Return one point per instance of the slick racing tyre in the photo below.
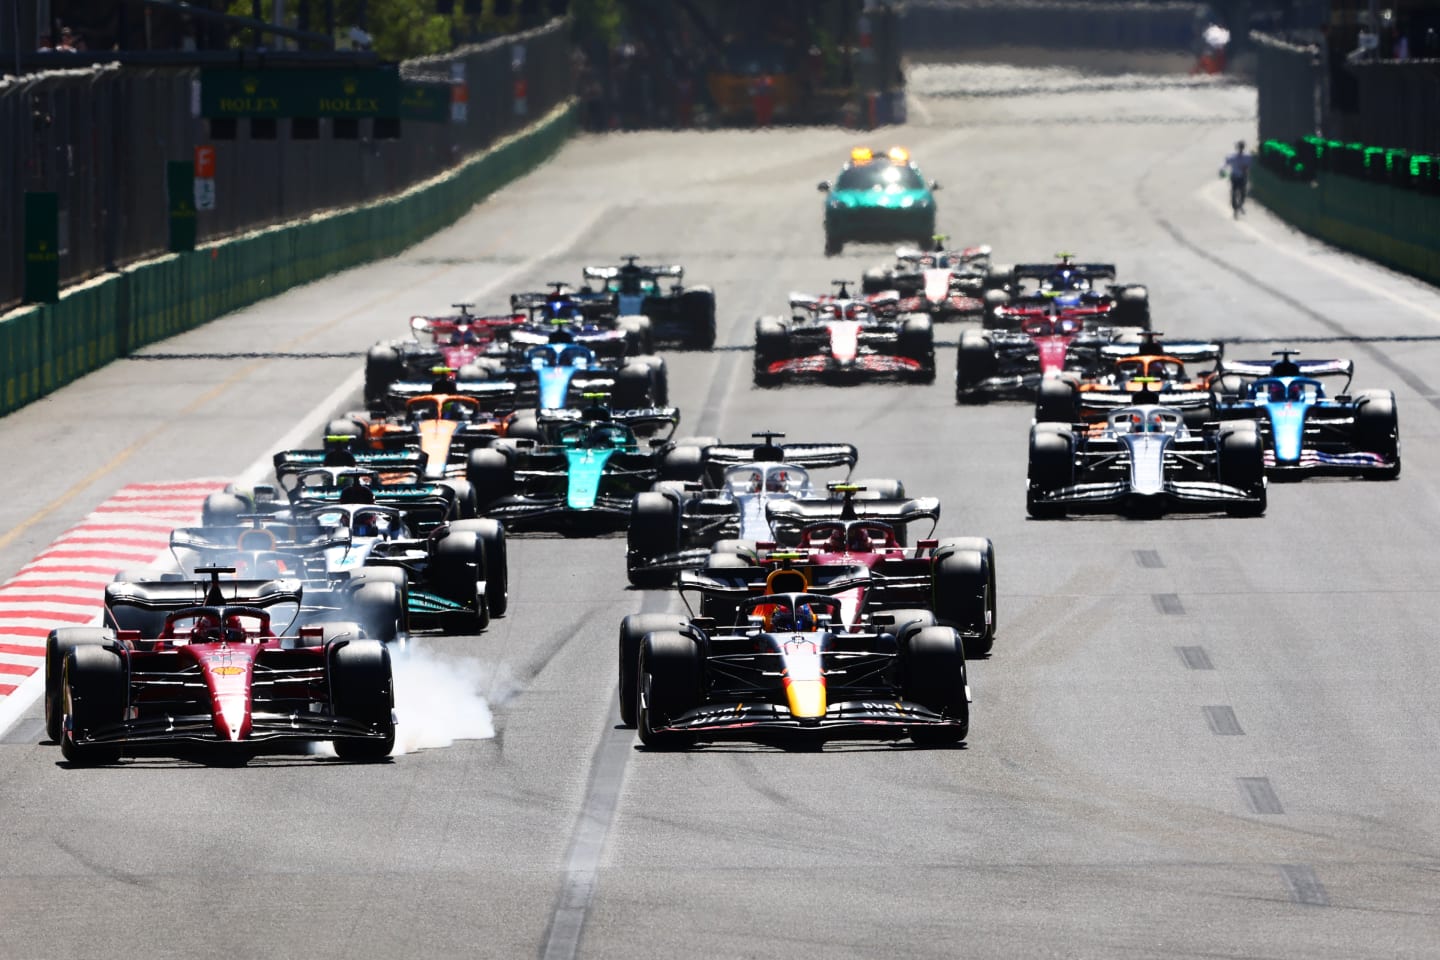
(491, 534)
(1132, 307)
(669, 677)
(772, 344)
(383, 366)
(363, 690)
(1058, 401)
(917, 342)
(457, 565)
(994, 301)
(1240, 462)
(58, 647)
(974, 364)
(635, 387)
(877, 280)
(934, 668)
(961, 590)
(491, 476)
(697, 311)
(380, 609)
(1051, 468)
(1377, 430)
(633, 630)
(94, 692)
(654, 531)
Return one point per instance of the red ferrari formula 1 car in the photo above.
(216, 679)
(1047, 345)
(844, 339)
(454, 342)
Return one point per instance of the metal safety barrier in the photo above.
(100, 138)
(46, 346)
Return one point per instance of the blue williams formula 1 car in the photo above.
(1305, 431)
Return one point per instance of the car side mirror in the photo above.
(823, 186)
(934, 184)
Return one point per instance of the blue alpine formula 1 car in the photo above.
(1305, 431)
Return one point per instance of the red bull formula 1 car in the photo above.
(784, 670)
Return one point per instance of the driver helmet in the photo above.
(561, 308)
(206, 629)
(859, 541)
(369, 525)
(777, 481)
(802, 620)
(1277, 391)
(1065, 281)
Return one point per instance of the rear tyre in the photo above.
(961, 596)
(380, 609)
(654, 531)
(634, 387)
(1241, 464)
(1052, 467)
(669, 684)
(458, 563)
(223, 509)
(772, 344)
(1377, 430)
(491, 476)
(383, 367)
(877, 280)
(974, 364)
(362, 689)
(58, 647)
(1132, 308)
(697, 307)
(994, 301)
(935, 678)
(917, 341)
(1058, 402)
(94, 693)
(632, 630)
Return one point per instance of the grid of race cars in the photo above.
(822, 606)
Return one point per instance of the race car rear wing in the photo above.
(1304, 368)
(1038, 271)
(498, 393)
(172, 594)
(808, 455)
(645, 270)
(738, 583)
(967, 255)
(291, 463)
(1188, 351)
(424, 506)
(787, 517)
(647, 423)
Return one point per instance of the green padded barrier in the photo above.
(1396, 227)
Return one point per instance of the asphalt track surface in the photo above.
(1196, 737)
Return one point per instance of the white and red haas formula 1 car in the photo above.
(844, 339)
